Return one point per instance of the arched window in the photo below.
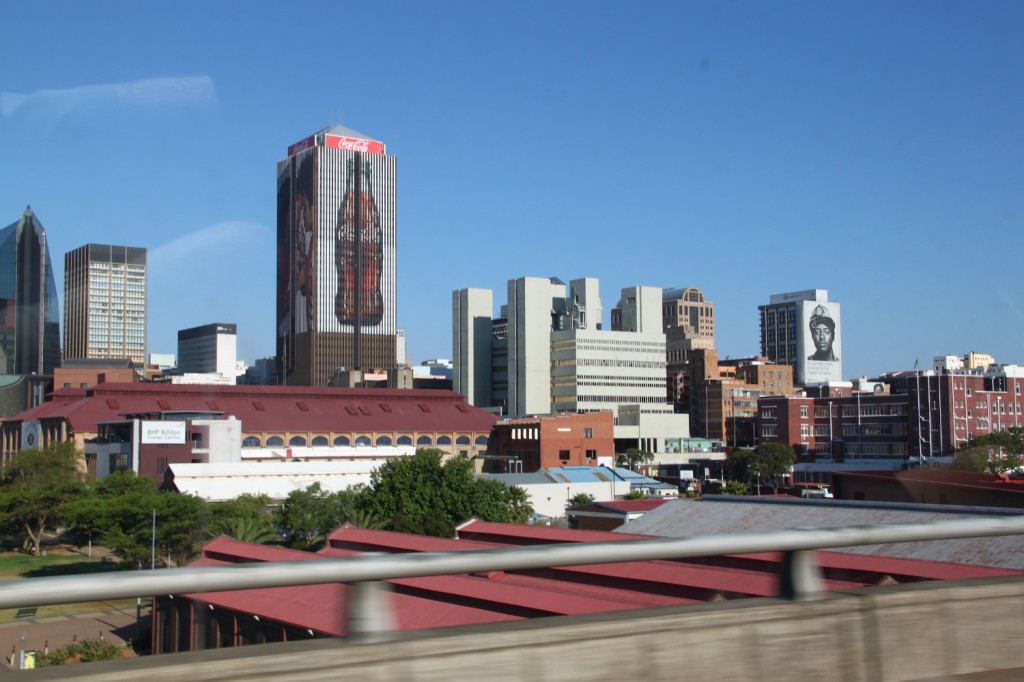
(481, 440)
(341, 440)
(363, 440)
(275, 441)
(404, 440)
(297, 440)
(424, 440)
(383, 440)
(320, 440)
(462, 440)
(251, 442)
(444, 440)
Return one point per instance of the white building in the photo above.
(105, 302)
(209, 349)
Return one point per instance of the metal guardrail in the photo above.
(800, 577)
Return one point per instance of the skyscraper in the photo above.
(336, 267)
(802, 329)
(209, 349)
(105, 302)
(29, 316)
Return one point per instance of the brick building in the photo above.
(526, 445)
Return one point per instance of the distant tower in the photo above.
(336, 258)
(29, 313)
(802, 329)
(472, 312)
(209, 349)
(105, 302)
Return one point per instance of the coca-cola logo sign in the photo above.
(302, 146)
(354, 144)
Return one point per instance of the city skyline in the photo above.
(870, 150)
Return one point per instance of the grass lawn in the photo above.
(19, 566)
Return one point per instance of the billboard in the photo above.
(356, 259)
(163, 433)
(819, 343)
(353, 144)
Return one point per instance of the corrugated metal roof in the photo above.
(273, 408)
(716, 515)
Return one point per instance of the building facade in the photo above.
(209, 349)
(472, 311)
(29, 311)
(689, 324)
(105, 291)
(803, 329)
(533, 443)
(336, 270)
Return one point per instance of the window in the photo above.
(444, 440)
(424, 440)
(362, 441)
(297, 441)
(482, 440)
(383, 440)
(462, 440)
(588, 433)
(275, 441)
(591, 454)
(118, 461)
(404, 440)
(320, 440)
(251, 442)
(563, 455)
(341, 440)
(804, 431)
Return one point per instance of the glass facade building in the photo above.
(29, 313)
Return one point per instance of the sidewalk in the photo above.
(116, 626)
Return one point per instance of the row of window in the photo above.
(300, 441)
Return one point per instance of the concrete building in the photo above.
(472, 311)
(534, 308)
(209, 349)
(105, 294)
(803, 329)
(689, 324)
(337, 269)
(29, 311)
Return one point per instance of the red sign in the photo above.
(302, 146)
(353, 144)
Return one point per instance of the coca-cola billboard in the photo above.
(354, 144)
(302, 146)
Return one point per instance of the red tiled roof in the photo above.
(272, 408)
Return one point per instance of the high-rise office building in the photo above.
(29, 313)
(802, 329)
(336, 269)
(209, 349)
(105, 302)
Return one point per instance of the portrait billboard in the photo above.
(31, 434)
(819, 343)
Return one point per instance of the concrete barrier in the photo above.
(888, 633)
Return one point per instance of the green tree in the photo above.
(307, 516)
(36, 488)
(633, 458)
(735, 488)
(120, 510)
(992, 453)
(420, 494)
(247, 510)
(580, 498)
(767, 460)
(635, 495)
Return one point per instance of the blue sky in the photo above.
(874, 149)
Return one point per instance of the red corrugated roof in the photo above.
(942, 477)
(633, 506)
(326, 409)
